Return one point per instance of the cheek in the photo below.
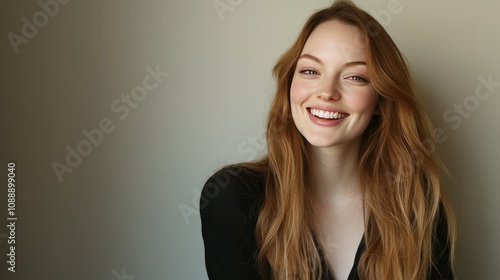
(365, 102)
(299, 92)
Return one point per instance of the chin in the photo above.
(321, 143)
(328, 142)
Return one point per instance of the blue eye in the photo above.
(358, 79)
(309, 72)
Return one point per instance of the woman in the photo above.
(349, 188)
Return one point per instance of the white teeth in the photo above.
(327, 115)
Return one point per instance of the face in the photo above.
(331, 97)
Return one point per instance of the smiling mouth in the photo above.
(327, 114)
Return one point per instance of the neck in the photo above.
(336, 172)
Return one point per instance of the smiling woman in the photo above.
(339, 195)
(332, 100)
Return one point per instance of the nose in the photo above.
(329, 91)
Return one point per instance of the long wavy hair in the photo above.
(399, 173)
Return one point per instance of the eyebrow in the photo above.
(348, 64)
(311, 57)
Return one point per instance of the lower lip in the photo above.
(324, 122)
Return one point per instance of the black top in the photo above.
(229, 208)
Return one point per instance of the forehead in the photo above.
(336, 38)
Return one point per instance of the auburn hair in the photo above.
(399, 173)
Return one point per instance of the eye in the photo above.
(357, 79)
(309, 72)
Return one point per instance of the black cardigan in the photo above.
(229, 208)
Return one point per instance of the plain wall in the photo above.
(129, 206)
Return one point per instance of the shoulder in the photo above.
(232, 189)
(238, 177)
(229, 207)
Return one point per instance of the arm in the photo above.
(228, 225)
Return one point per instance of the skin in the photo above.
(332, 75)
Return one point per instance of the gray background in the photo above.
(129, 207)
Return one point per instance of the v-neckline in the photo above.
(353, 275)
